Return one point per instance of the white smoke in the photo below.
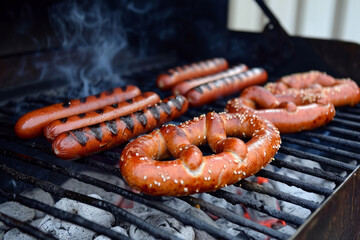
(90, 34)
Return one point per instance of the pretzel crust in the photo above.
(340, 92)
(191, 172)
(291, 112)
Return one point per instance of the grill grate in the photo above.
(54, 212)
(320, 159)
(129, 195)
(279, 195)
(323, 148)
(12, 222)
(231, 216)
(257, 205)
(295, 182)
(331, 146)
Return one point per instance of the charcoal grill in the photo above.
(336, 147)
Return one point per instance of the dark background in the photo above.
(65, 41)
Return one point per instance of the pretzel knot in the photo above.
(192, 172)
(289, 112)
(339, 92)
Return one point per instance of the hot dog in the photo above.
(288, 112)
(191, 172)
(209, 92)
(100, 115)
(166, 81)
(92, 139)
(184, 86)
(32, 124)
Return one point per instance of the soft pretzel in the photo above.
(340, 92)
(290, 112)
(192, 172)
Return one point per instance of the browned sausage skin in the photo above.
(32, 124)
(211, 91)
(340, 92)
(173, 76)
(307, 79)
(100, 115)
(288, 112)
(92, 139)
(184, 86)
(191, 172)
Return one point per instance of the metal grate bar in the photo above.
(311, 205)
(346, 123)
(184, 217)
(337, 140)
(61, 192)
(348, 116)
(349, 133)
(320, 147)
(233, 217)
(355, 110)
(69, 217)
(24, 227)
(294, 182)
(311, 171)
(316, 158)
(112, 156)
(257, 205)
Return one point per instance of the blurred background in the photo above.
(92, 40)
(30, 26)
(327, 19)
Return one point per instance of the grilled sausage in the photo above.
(32, 124)
(340, 92)
(92, 139)
(289, 113)
(166, 81)
(209, 92)
(100, 115)
(191, 172)
(184, 86)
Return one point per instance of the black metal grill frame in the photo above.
(336, 144)
(334, 153)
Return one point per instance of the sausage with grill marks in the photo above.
(100, 115)
(209, 92)
(184, 86)
(173, 76)
(32, 124)
(92, 139)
